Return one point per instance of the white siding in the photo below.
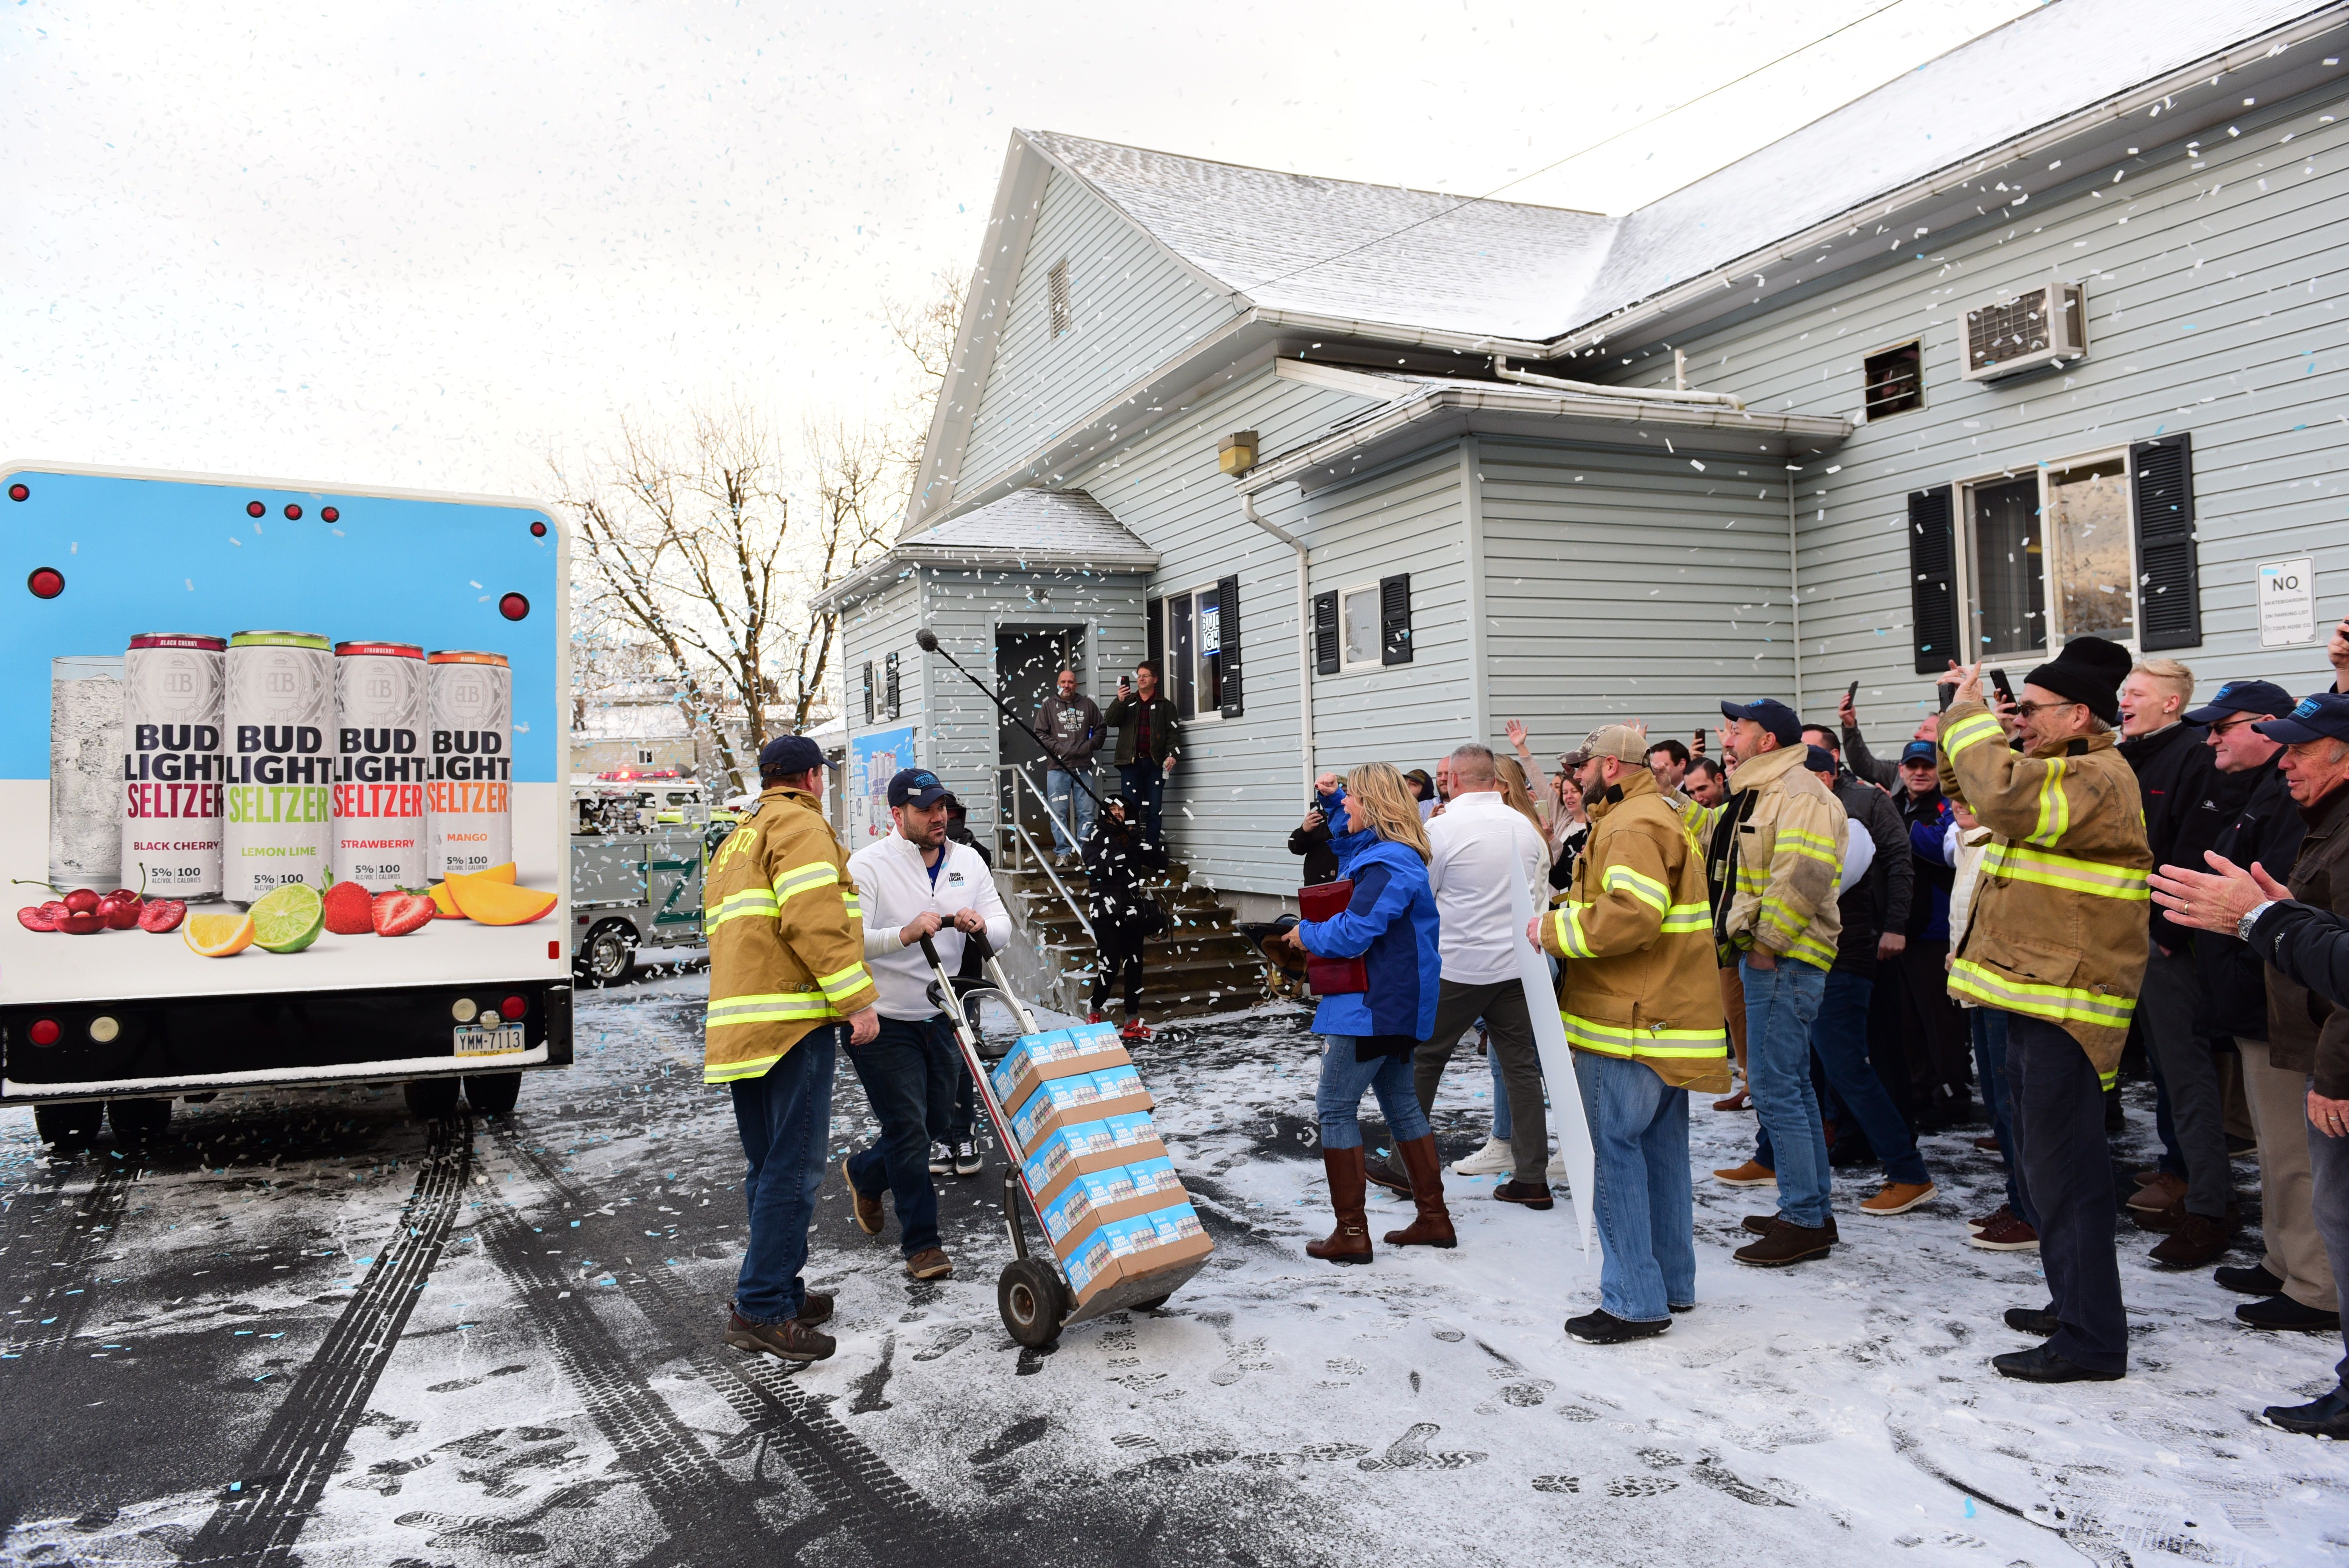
(1133, 308)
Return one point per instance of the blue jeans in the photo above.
(1990, 1066)
(1645, 1209)
(1147, 780)
(1339, 1098)
(784, 1116)
(1840, 1040)
(1780, 1004)
(1062, 788)
(1501, 1124)
(909, 1081)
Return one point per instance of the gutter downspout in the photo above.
(1795, 585)
(1642, 394)
(1304, 635)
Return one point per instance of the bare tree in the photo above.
(927, 331)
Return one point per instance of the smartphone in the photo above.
(1851, 691)
(1947, 693)
(1696, 745)
(1998, 679)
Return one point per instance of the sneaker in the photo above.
(1603, 1327)
(2285, 1315)
(1525, 1192)
(2159, 1193)
(2325, 1418)
(1133, 1030)
(1493, 1160)
(794, 1341)
(968, 1161)
(2039, 1321)
(930, 1262)
(2008, 1234)
(1786, 1242)
(2253, 1280)
(1759, 1225)
(1984, 1222)
(2043, 1366)
(866, 1209)
(941, 1159)
(1752, 1173)
(1898, 1198)
(1096, 1018)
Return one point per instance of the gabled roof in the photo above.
(1064, 528)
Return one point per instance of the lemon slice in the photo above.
(218, 935)
(289, 919)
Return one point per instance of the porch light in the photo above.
(1235, 454)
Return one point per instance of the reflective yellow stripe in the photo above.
(772, 1008)
(1646, 889)
(1683, 918)
(855, 909)
(1970, 730)
(2054, 809)
(1752, 881)
(1623, 1040)
(1811, 950)
(755, 901)
(1775, 911)
(2019, 863)
(1571, 939)
(801, 878)
(727, 1072)
(846, 982)
(2059, 1003)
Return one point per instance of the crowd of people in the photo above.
(1858, 949)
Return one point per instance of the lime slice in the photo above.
(287, 920)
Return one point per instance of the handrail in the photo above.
(1020, 773)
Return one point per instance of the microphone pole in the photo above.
(928, 641)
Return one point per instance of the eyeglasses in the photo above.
(2025, 709)
(2233, 724)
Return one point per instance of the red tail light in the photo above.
(44, 1032)
(512, 1008)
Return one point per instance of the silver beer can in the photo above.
(470, 801)
(175, 688)
(381, 765)
(280, 827)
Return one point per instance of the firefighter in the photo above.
(788, 987)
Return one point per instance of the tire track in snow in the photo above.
(90, 1220)
(853, 1484)
(285, 1472)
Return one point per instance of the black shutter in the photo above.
(1394, 619)
(868, 691)
(889, 684)
(1154, 618)
(1326, 653)
(2170, 572)
(1227, 636)
(1933, 581)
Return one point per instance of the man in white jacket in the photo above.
(1480, 843)
(915, 882)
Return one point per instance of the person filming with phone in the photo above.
(1146, 725)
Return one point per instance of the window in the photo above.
(1357, 616)
(1190, 633)
(1893, 381)
(1056, 283)
(2049, 555)
(644, 758)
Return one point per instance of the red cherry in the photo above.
(53, 910)
(82, 900)
(119, 913)
(162, 914)
(82, 923)
(32, 918)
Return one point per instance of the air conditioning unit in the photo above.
(2039, 328)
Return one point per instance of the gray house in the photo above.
(2043, 338)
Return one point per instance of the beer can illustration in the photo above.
(174, 695)
(85, 754)
(279, 719)
(469, 801)
(381, 765)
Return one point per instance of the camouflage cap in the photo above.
(1617, 740)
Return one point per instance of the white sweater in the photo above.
(1479, 844)
(894, 886)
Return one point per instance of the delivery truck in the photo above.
(639, 843)
(282, 794)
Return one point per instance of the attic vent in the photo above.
(2041, 326)
(1057, 280)
(1894, 381)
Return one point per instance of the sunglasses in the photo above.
(2028, 709)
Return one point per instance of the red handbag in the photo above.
(1330, 976)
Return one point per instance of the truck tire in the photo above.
(69, 1126)
(609, 955)
(431, 1099)
(492, 1094)
(138, 1121)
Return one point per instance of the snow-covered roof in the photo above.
(1057, 525)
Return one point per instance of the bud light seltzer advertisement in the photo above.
(267, 739)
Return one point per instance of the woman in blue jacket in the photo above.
(1390, 924)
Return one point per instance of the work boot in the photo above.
(869, 1218)
(1433, 1227)
(1351, 1242)
(1898, 1198)
(792, 1341)
(2160, 1192)
(1752, 1173)
(1787, 1243)
(2194, 1241)
(815, 1307)
(930, 1262)
(1526, 1194)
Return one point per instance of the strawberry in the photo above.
(398, 914)
(348, 908)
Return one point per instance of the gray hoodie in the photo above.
(1072, 728)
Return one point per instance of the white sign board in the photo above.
(1566, 1112)
(2287, 603)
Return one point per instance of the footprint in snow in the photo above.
(948, 1339)
(1019, 1435)
(454, 1383)
(1711, 1473)
(1641, 1486)
(1410, 1451)
(1558, 1484)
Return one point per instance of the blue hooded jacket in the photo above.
(1390, 924)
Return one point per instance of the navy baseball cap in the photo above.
(2324, 717)
(2244, 696)
(1819, 760)
(1916, 751)
(1784, 724)
(916, 786)
(791, 754)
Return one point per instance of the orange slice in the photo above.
(218, 935)
(496, 903)
(445, 902)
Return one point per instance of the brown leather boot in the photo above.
(1351, 1242)
(1433, 1228)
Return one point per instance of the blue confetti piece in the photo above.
(1969, 1508)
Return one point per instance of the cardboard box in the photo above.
(1097, 1199)
(1082, 1097)
(1067, 1152)
(1055, 1053)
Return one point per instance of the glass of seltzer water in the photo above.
(86, 771)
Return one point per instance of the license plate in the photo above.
(475, 1041)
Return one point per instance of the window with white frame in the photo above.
(2047, 555)
(1362, 643)
(1192, 636)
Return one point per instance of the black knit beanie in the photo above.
(2088, 670)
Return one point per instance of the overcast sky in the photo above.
(418, 245)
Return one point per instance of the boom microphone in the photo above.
(927, 641)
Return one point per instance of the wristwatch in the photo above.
(2243, 926)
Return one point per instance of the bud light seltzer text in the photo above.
(174, 771)
(470, 800)
(381, 765)
(280, 717)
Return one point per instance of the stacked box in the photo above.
(1112, 1205)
